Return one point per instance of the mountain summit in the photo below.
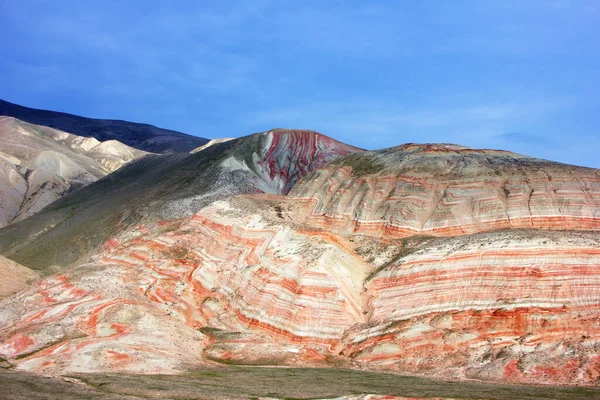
(166, 187)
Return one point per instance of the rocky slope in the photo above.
(210, 143)
(139, 136)
(240, 284)
(325, 276)
(38, 165)
(165, 187)
(15, 277)
(447, 190)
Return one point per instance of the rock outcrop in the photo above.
(247, 285)
(519, 306)
(448, 190)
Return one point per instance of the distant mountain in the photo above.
(140, 136)
(38, 165)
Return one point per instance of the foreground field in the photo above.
(281, 383)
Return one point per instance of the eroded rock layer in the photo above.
(267, 162)
(285, 156)
(252, 288)
(242, 283)
(160, 187)
(513, 305)
(90, 322)
(447, 190)
(404, 260)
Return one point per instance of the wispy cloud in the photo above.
(523, 138)
(367, 122)
(484, 73)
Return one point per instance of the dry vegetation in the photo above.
(283, 383)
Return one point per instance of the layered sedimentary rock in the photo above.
(253, 289)
(90, 322)
(515, 305)
(38, 165)
(340, 272)
(281, 157)
(268, 162)
(166, 187)
(518, 306)
(447, 190)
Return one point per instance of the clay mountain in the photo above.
(289, 248)
(38, 165)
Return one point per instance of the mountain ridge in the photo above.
(139, 135)
(166, 187)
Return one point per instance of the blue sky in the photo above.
(519, 75)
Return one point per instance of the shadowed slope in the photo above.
(141, 136)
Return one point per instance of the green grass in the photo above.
(409, 246)
(311, 383)
(83, 220)
(282, 383)
(361, 165)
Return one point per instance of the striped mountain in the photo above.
(424, 259)
(449, 190)
(160, 187)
